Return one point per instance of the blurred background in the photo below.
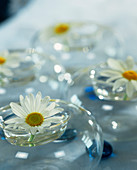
(8, 8)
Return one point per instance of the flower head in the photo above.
(61, 28)
(122, 73)
(8, 61)
(34, 113)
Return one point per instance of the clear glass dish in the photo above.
(82, 149)
(32, 72)
(116, 118)
(79, 44)
(104, 89)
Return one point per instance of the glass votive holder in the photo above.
(26, 71)
(84, 149)
(117, 117)
(78, 44)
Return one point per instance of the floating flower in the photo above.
(34, 113)
(61, 28)
(8, 61)
(122, 73)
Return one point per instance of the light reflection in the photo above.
(59, 154)
(57, 68)
(88, 112)
(91, 56)
(114, 125)
(88, 142)
(2, 91)
(107, 107)
(65, 56)
(90, 122)
(74, 99)
(53, 84)
(43, 79)
(22, 155)
(29, 90)
(58, 46)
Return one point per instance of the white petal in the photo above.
(32, 102)
(23, 105)
(27, 104)
(6, 71)
(38, 102)
(55, 119)
(134, 82)
(44, 104)
(51, 106)
(115, 64)
(119, 83)
(113, 78)
(53, 112)
(14, 120)
(18, 110)
(46, 123)
(129, 62)
(129, 89)
(110, 73)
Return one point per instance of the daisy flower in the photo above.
(8, 61)
(122, 73)
(61, 28)
(34, 114)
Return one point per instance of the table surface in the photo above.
(121, 15)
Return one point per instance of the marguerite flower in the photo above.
(61, 28)
(34, 114)
(8, 61)
(122, 74)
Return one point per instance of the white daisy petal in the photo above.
(130, 62)
(119, 83)
(38, 101)
(53, 112)
(113, 78)
(13, 120)
(115, 64)
(23, 105)
(51, 106)
(109, 73)
(44, 103)
(129, 89)
(46, 123)
(6, 71)
(55, 119)
(32, 102)
(134, 82)
(18, 110)
(27, 104)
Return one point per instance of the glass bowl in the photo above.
(78, 44)
(81, 148)
(116, 118)
(32, 73)
(18, 66)
(103, 89)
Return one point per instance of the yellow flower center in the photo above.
(61, 28)
(130, 75)
(2, 60)
(34, 119)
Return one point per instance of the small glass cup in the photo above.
(103, 89)
(83, 43)
(84, 147)
(32, 72)
(117, 118)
